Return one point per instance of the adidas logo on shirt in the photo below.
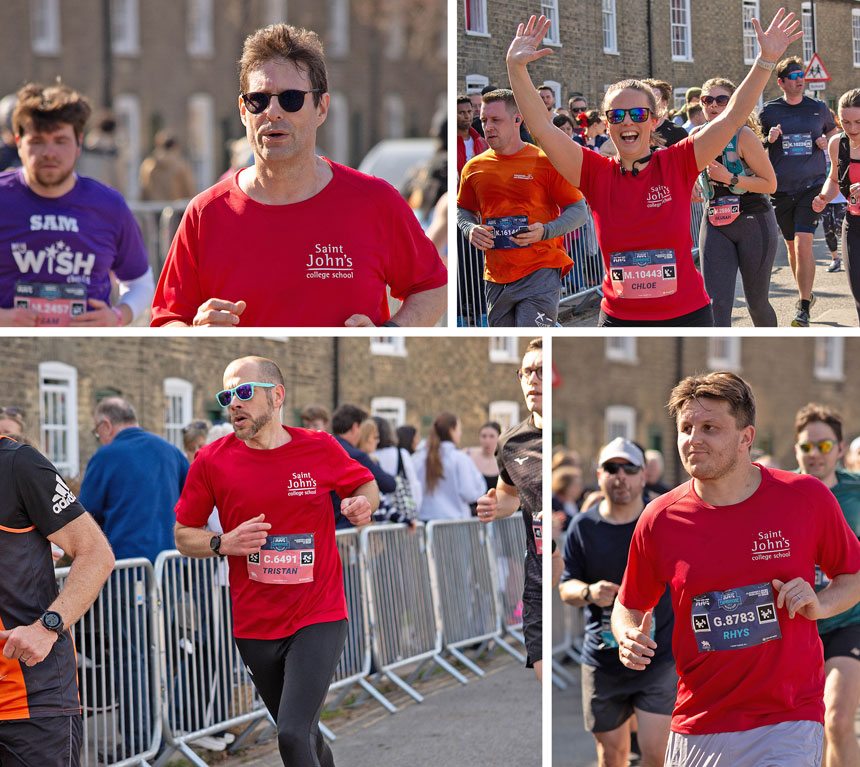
(63, 497)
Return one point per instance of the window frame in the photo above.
(66, 377)
(681, 6)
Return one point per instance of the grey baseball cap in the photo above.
(622, 448)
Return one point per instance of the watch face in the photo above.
(215, 543)
(52, 620)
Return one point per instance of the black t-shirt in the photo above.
(670, 133)
(799, 164)
(34, 502)
(596, 550)
(519, 457)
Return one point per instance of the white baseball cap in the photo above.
(622, 448)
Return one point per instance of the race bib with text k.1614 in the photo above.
(505, 227)
(283, 559)
(735, 618)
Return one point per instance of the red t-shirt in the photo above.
(311, 263)
(524, 184)
(291, 485)
(646, 212)
(790, 523)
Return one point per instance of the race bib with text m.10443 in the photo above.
(283, 559)
(735, 618)
(643, 273)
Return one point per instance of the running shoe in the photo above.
(801, 319)
(797, 305)
(835, 265)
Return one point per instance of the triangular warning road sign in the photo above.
(815, 72)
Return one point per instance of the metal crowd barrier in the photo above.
(158, 221)
(579, 285)
(206, 686)
(117, 668)
(463, 579)
(159, 669)
(401, 611)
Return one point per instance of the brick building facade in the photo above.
(591, 52)
(620, 386)
(172, 64)
(171, 381)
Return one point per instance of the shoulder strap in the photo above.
(844, 163)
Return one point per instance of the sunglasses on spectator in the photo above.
(720, 101)
(796, 75)
(12, 411)
(528, 372)
(577, 110)
(290, 100)
(243, 391)
(637, 114)
(824, 447)
(610, 467)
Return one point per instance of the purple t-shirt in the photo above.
(78, 238)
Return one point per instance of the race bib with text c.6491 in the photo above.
(283, 559)
(736, 618)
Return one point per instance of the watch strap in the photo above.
(52, 621)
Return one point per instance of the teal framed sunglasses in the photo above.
(243, 391)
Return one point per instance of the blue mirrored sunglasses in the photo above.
(243, 391)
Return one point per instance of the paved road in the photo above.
(488, 722)
(834, 305)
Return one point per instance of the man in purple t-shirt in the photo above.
(62, 235)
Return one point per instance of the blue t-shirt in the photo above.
(596, 550)
(131, 487)
(78, 238)
(798, 163)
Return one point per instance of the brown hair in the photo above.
(787, 63)
(812, 413)
(535, 345)
(662, 86)
(719, 385)
(634, 85)
(441, 430)
(505, 95)
(560, 120)
(721, 82)
(282, 41)
(850, 99)
(563, 477)
(367, 430)
(313, 413)
(47, 107)
(593, 117)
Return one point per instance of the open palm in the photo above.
(524, 47)
(778, 36)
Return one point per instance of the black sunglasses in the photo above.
(720, 100)
(610, 467)
(290, 101)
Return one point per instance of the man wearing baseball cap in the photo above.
(595, 557)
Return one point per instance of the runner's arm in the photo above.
(799, 597)
(830, 189)
(361, 504)
(136, 295)
(565, 155)
(500, 501)
(422, 309)
(242, 540)
(556, 565)
(571, 217)
(756, 156)
(712, 139)
(631, 629)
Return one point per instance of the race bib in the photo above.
(537, 528)
(54, 303)
(794, 144)
(724, 210)
(734, 619)
(643, 273)
(606, 635)
(283, 559)
(853, 206)
(821, 579)
(504, 228)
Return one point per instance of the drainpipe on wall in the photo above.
(648, 26)
(107, 63)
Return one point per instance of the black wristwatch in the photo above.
(215, 544)
(586, 594)
(52, 621)
(734, 180)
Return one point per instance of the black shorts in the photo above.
(794, 212)
(533, 627)
(700, 318)
(49, 741)
(842, 642)
(608, 700)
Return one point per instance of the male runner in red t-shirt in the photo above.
(738, 545)
(296, 239)
(272, 487)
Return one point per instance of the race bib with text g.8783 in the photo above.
(283, 559)
(736, 618)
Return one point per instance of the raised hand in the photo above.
(524, 47)
(778, 36)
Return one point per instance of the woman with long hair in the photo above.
(450, 480)
(396, 460)
(739, 231)
(844, 150)
(640, 200)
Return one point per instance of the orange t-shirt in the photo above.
(521, 184)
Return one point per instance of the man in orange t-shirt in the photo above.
(516, 207)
